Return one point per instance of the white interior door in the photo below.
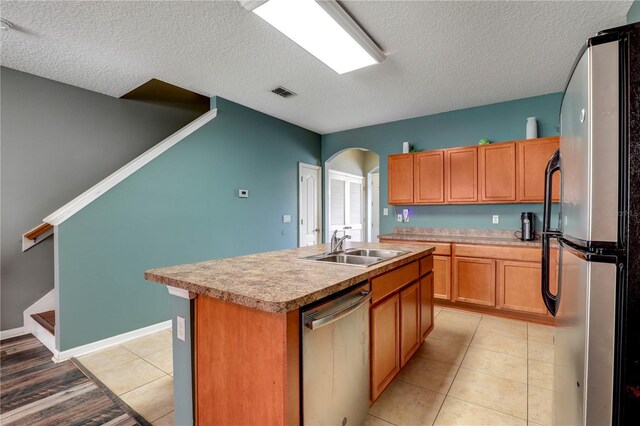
(346, 205)
(309, 205)
(374, 213)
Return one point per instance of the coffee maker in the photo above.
(528, 220)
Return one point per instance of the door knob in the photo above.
(316, 230)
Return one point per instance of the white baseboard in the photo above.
(111, 341)
(7, 334)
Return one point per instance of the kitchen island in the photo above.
(246, 324)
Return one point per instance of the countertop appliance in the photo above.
(335, 359)
(527, 221)
(597, 304)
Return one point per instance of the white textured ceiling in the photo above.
(441, 55)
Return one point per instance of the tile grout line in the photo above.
(457, 371)
(527, 373)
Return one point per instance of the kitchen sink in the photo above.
(350, 260)
(357, 257)
(385, 254)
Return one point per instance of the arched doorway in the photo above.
(351, 190)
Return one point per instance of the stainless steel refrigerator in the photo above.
(597, 303)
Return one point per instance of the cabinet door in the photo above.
(533, 156)
(385, 344)
(409, 322)
(474, 281)
(426, 305)
(429, 177)
(461, 175)
(442, 277)
(497, 166)
(400, 181)
(519, 287)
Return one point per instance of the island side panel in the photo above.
(247, 365)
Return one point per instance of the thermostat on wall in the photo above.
(243, 193)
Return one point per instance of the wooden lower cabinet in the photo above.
(442, 277)
(519, 287)
(474, 281)
(426, 305)
(385, 340)
(409, 322)
(401, 317)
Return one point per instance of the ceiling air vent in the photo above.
(281, 91)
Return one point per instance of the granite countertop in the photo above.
(457, 235)
(278, 281)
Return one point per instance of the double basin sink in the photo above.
(357, 257)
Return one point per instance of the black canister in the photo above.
(528, 221)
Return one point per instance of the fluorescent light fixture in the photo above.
(323, 28)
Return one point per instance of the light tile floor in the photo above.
(140, 372)
(473, 370)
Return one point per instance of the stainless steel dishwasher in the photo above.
(335, 359)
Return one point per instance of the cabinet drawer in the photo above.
(426, 265)
(386, 284)
(525, 254)
(442, 249)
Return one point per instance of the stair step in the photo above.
(47, 320)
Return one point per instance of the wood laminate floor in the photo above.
(36, 391)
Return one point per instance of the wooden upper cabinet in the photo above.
(474, 280)
(409, 322)
(533, 156)
(461, 175)
(429, 177)
(385, 341)
(497, 169)
(400, 168)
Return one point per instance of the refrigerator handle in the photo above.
(550, 300)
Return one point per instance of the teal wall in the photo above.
(182, 207)
(634, 12)
(499, 122)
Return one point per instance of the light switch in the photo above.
(243, 193)
(385, 212)
(286, 218)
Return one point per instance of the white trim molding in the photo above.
(13, 332)
(81, 201)
(59, 356)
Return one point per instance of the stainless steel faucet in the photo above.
(336, 244)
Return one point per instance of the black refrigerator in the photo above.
(597, 304)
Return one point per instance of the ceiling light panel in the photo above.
(315, 27)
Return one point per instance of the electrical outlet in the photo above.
(496, 219)
(180, 329)
(385, 212)
(286, 218)
(399, 217)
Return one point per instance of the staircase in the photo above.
(47, 320)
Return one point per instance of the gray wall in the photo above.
(56, 142)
